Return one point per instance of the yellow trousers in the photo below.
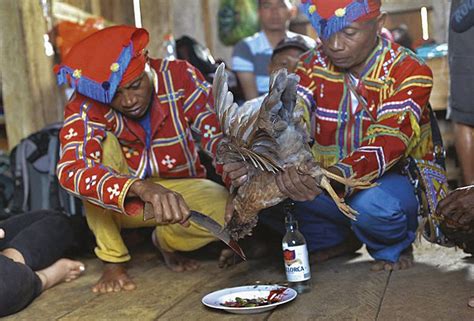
(201, 195)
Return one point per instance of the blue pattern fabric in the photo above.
(145, 122)
(386, 223)
(327, 27)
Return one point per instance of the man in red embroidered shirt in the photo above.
(127, 140)
(368, 99)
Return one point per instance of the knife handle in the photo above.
(148, 212)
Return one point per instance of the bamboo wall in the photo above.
(31, 97)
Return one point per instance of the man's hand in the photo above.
(237, 172)
(229, 208)
(458, 206)
(2, 233)
(169, 207)
(296, 186)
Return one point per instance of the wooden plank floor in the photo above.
(437, 288)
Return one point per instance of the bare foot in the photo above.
(228, 258)
(349, 246)
(405, 261)
(470, 303)
(114, 279)
(174, 261)
(63, 270)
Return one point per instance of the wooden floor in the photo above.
(437, 288)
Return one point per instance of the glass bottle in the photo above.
(169, 47)
(295, 256)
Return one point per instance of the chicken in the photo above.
(268, 137)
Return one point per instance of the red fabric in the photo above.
(370, 15)
(69, 33)
(95, 54)
(397, 91)
(134, 69)
(183, 104)
(326, 9)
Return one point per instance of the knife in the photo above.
(209, 224)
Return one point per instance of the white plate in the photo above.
(214, 299)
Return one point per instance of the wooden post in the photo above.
(206, 11)
(118, 11)
(31, 97)
(157, 18)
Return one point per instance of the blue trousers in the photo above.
(386, 223)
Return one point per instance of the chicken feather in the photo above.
(268, 137)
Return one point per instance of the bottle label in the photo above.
(296, 263)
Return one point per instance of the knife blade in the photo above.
(209, 224)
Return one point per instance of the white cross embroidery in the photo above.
(95, 155)
(113, 191)
(71, 134)
(210, 131)
(71, 174)
(91, 181)
(168, 161)
(129, 152)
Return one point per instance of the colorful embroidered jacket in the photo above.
(182, 104)
(394, 124)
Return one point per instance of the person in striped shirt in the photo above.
(251, 56)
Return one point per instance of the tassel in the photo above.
(114, 80)
(102, 92)
(327, 27)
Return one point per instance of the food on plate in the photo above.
(274, 297)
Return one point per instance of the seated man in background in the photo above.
(31, 247)
(288, 51)
(368, 99)
(286, 55)
(251, 56)
(127, 140)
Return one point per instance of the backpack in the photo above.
(33, 164)
(196, 54)
(199, 56)
(6, 186)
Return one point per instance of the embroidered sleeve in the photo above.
(199, 109)
(79, 169)
(306, 85)
(397, 130)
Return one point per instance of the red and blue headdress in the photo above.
(331, 16)
(97, 65)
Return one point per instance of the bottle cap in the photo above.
(168, 37)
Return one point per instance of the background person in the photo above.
(461, 98)
(31, 247)
(251, 55)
